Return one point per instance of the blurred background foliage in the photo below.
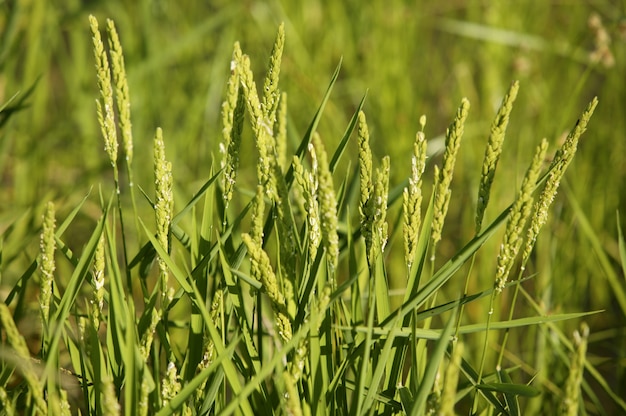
(411, 57)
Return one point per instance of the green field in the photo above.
(190, 264)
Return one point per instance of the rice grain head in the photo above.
(559, 165)
(47, 264)
(164, 206)
(493, 151)
(122, 93)
(271, 93)
(104, 105)
(569, 406)
(327, 205)
(412, 197)
(454, 133)
(232, 120)
(518, 218)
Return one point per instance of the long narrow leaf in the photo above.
(189, 287)
(434, 360)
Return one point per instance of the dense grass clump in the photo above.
(302, 276)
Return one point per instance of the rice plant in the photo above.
(268, 291)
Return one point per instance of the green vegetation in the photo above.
(281, 242)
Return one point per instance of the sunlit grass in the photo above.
(299, 331)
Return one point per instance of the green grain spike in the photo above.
(270, 86)
(122, 94)
(454, 133)
(164, 205)
(412, 197)
(232, 120)
(308, 184)
(106, 117)
(47, 266)
(493, 151)
(327, 204)
(518, 217)
(280, 129)
(378, 210)
(569, 406)
(561, 161)
(261, 270)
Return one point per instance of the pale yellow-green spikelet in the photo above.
(308, 186)
(164, 205)
(148, 336)
(570, 404)
(366, 186)
(297, 365)
(170, 385)
(561, 161)
(6, 403)
(208, 356)
(98, 281)
(270, 86)
(110, 404)
(57, 402)
(25, 365)
(260, 265)
(291, 397)
(327, 204)
(493, 151)
(144, 349)
(106, 116)
(63, 406)
(258, 215)
(518, 217)
(47, 266)
(232, 120)
(318, 304)
(122, 94)
(448, 393)
(301, 178)
(281, 131)
(144, 393)
(253, 104)
(365, 160)
(374, 225)
(601, 52)
(260, 126)
(379, 209)
(454, 133)
(412, 196)
(279, 194)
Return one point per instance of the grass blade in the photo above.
(426, 384)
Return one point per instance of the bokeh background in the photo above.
(410, 57)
